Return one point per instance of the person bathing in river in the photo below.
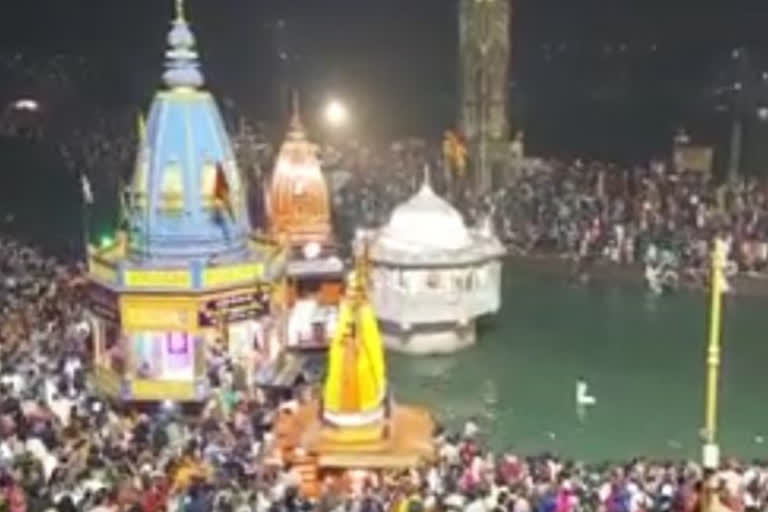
(583, 399)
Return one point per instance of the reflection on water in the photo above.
(644, 358)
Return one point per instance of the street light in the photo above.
(336, 114)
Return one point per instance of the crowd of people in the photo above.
(655, 215)
(63, 447)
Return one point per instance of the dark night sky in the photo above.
(394, 54)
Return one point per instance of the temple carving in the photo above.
(298, 203)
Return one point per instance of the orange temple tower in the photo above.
(298, 207)
(298, 204)
(355, 425)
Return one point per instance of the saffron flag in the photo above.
(455, 152)
(221, 190)
(461, 155)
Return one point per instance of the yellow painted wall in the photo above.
(158, 279)
(156, 312)
(151, 389)
(232, 274)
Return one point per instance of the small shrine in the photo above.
(298, 207)
(432, 276)
(186, 276)
(355, 424)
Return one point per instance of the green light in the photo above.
(106, 241)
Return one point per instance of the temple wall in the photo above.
(429, 340)
(427, 296)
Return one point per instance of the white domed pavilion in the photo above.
(432, 275)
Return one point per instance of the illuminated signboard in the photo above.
(231, 274)
(235, 308)
(148, 317)
(315, 267)
(103, 303)
(158, 278)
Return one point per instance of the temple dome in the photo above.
(425, 222)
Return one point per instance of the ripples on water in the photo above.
(643, 357)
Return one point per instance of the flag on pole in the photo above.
(460, 154)
(87, 191)
(221, 192)
(455, 152)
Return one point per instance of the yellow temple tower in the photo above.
(355, 424)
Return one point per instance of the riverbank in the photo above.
(554, 265)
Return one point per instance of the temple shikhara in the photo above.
(187, 277)
(188, 284)
(298, 208)
(356, 423)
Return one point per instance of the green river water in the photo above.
(643, 357)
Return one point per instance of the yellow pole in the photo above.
(711, 451)
(713, 350)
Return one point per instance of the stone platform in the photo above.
(429, 340)
(404, 440)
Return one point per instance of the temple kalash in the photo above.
(187, 278)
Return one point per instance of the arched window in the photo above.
(208, 185)
(172, 188)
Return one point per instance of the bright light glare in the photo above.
(30, 105)
(336, 113)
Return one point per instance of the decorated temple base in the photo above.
(429, 339)
(302, 438)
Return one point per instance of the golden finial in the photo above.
(362, 268)
(295, 126)
(180, 11)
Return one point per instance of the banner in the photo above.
(104, 303)
(157, 279)
(694, 158)
(228, 275)
(235, 308)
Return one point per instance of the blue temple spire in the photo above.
(182, 65)
(184, 148)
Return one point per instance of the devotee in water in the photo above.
(583, 399)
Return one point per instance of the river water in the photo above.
(643, 357)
